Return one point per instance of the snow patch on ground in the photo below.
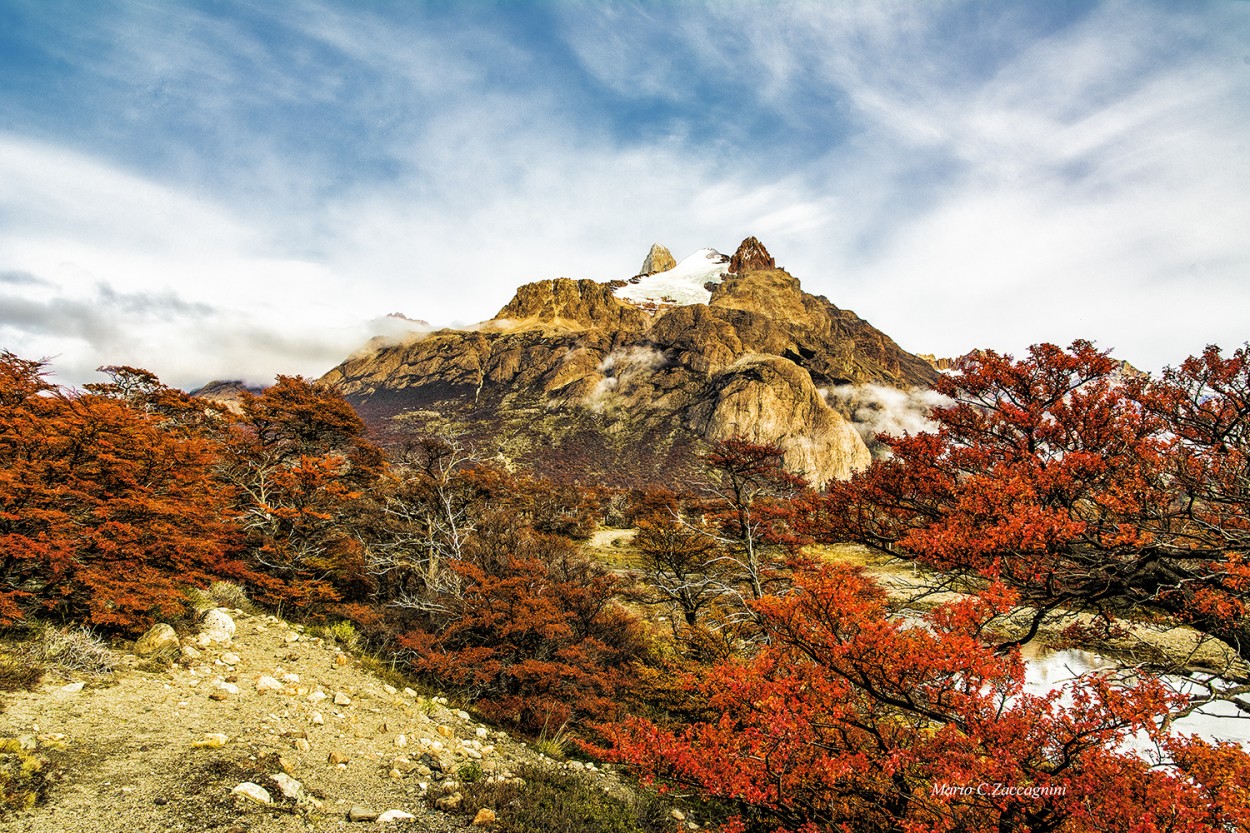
(686, 283)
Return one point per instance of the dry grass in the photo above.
(548, 800)
(23, 777)
(67, 649)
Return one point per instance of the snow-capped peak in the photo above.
(686, 283)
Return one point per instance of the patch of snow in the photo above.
(686, 283)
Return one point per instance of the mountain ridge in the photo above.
(589, 386)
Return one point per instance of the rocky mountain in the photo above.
(659, 259)
(226, 392)
(626, 382)
(938, 362)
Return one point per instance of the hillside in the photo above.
(158, 746)
(624, 382)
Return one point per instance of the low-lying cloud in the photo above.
(876, 410)
(621, 368)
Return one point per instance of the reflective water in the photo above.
(1217, 721)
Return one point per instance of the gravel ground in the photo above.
(134, 751)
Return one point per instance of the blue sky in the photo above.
(226, 189)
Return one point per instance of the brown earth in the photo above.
(134, 750)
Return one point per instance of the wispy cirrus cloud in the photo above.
(961, 175)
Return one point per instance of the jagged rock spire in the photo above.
(659, 259)
(750, 257)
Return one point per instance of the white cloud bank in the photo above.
(1095, 183)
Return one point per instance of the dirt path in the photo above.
(135, 752)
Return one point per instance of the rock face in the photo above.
(227, 394)
(938, 362)
(582, 385)
(751, 257)
(771, 400)
(659, 259)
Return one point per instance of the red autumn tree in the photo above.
(1054, 475)
(1205, 404)
(107, 511)
(850, 719)
(750, 508)
(302, 469)
(530, 628)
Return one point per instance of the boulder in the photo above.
(217, 625)
(158, 641)
(359, 813)
(266, 683)
(211, 740)
(394, 815)
(289, 786)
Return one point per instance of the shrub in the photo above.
(68, 649)
(533, 634)
(23, 778)
(231, 595)
(547, 800)
(107, 511)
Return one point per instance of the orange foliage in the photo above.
(1074, 483)
(106, 511)
(853, 720)
(302, 470)
(532, 628)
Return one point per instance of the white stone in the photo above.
(229, 688)
(255, 792)
(217, 625)
(390, 689)
(230, 659)
(395, 815)
(73, 688)
(317, 696)
(288, 785)
(317, 719)
(341, 699)
(401, 740)
(267, 683)
(482, 732)
(203, 640)
(291, 679)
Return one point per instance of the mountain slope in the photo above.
(624, 383)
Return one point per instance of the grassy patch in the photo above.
(342, 633)
(545, 800)
(23, 777)
(17, 673)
